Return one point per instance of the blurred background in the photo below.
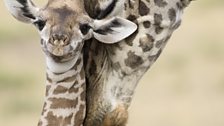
(185, 87)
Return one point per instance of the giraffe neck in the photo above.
(133, 56)
(65, 94)
(119, 67)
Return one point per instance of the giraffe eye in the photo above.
(84, 28)
(40, 24)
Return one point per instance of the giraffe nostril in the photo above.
(55, 38)
(66, 40)
(51, 40)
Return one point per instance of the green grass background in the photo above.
(185, 87)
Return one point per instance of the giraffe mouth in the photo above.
(64, 58)
(62, 53)
(59, 53)
(59, 50)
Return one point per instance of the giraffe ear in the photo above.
(22, 10)
(113, 30)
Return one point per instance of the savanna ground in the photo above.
(185, 87)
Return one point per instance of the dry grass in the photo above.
(185, 87)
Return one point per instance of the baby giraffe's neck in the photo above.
(65, 94)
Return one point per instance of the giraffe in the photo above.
(113, 71)
(63, 26)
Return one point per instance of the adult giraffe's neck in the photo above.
(65, 94)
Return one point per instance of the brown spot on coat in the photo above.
(79, 116)
(53, 120)
(133, 61)
(63, 103)
(146, 43)
(158, 29)
(172, 14)
(158, 18)
(143, 9)
(147, 24)
(132, 18)
(160, 3)
(60, 90)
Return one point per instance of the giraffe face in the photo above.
(64, 25)
(63, 31)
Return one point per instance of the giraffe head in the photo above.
(64, 25)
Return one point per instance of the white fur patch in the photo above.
(60, 67)
(64, 112)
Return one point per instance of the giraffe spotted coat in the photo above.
(63, 26)
(114, 62)
(113, 71)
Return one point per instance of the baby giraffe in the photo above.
(64, 26)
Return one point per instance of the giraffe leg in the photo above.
(118, 117)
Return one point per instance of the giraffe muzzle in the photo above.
(59, 39)
(59, 44)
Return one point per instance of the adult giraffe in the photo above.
(63, 26)
(113, 71)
